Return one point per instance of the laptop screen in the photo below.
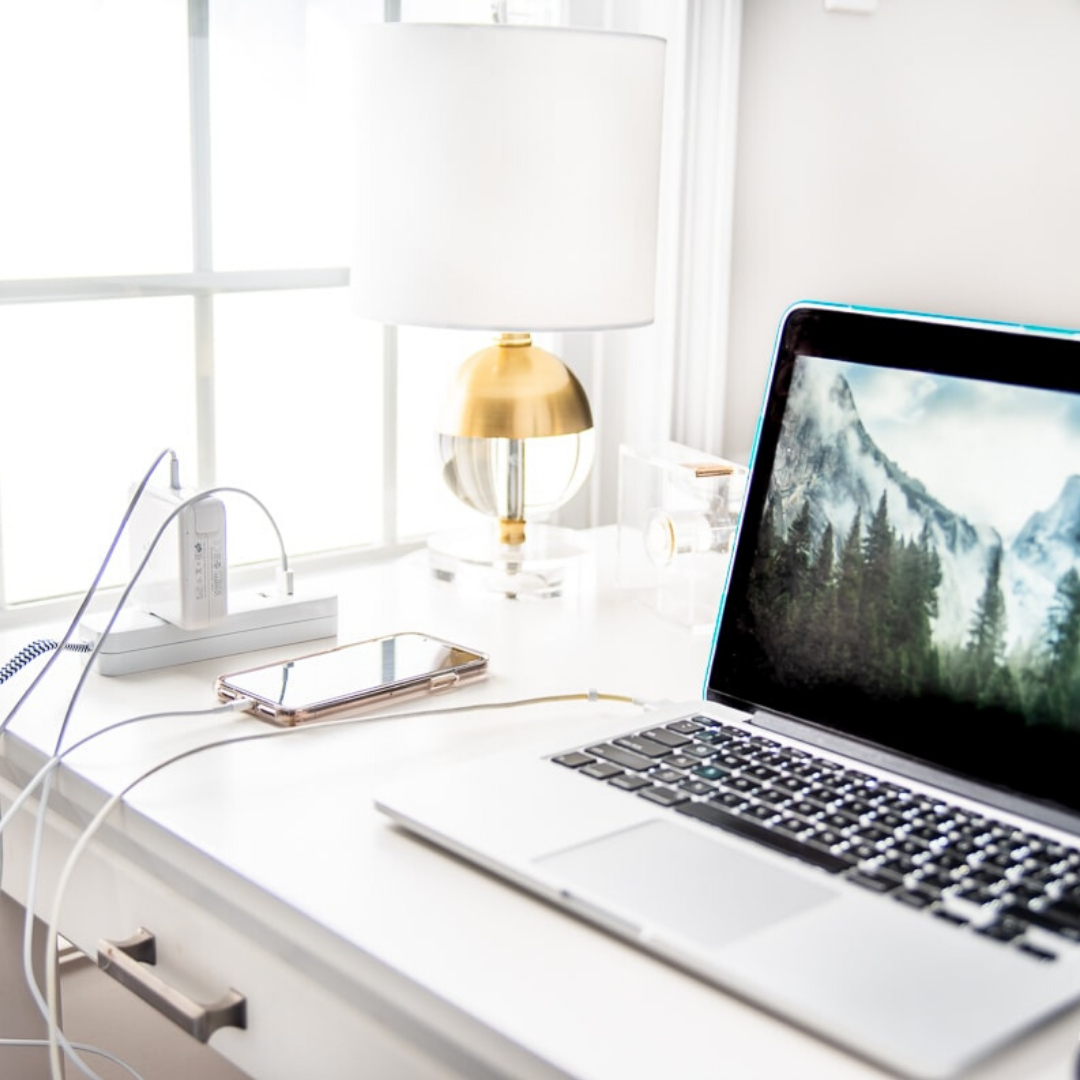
(908, 566)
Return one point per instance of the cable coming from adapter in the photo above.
(285, 578)
(83, 841)
(92, 591)
(49, 1006)
(178, 509)
(44, 774)
(65, 644)
(78, 1047)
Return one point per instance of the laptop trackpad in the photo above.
(669, 878)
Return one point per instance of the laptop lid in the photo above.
(907, 572)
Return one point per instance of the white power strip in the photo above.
(140, 641)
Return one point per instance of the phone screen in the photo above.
(350, 671)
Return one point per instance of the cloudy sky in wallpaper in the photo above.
(991, 452)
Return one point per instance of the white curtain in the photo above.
(667, 381)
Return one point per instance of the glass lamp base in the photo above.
(548, 564)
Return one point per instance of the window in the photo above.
(175, 233)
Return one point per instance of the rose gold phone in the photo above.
(352, 677)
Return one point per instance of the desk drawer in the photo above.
(296, 1025)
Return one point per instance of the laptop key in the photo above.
(708, 721)
(664, 796)
(792, 784)
(621, 757)
(666, 737)
(950, 917)
(574, 760)
(680, 761)
(701, 751)
(713, 814)
(1006, 929)
(601, 770)
(732, 761)
(667, 776)
(639, 744)
(730, 799)
(709, 772)
(772, 797)
(686, 727)
(873, 882)
(1034, 950)
(913, 898)
(791, 825)
(714, 738)
(697, 787)
(629, 782)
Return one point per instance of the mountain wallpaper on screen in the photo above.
(864, 579)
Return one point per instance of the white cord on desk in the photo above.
(284, 577)
(136, 496)
(179, 508)
(44, 776)
(81, 1047)
(49, 1007)
(51, 964)
(285, 580)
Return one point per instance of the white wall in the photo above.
(924, 157)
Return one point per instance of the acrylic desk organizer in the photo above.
(677, 516)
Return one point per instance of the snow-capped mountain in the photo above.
(827, 456)
(1044, 550)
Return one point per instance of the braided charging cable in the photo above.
(32, 651)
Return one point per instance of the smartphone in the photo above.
(352, 677)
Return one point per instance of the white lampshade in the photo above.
(507, 176)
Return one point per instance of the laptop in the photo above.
(870, 823)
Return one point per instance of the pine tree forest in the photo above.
(858, 610)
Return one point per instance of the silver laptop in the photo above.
(871, 823)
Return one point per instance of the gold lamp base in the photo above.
(550, 563)
(511, 532)
(516, 442)
(515, 434)
(515, 390)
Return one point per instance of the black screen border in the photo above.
(1004, 353)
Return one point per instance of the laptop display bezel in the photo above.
(992, 352)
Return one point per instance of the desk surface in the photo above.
(280, 836)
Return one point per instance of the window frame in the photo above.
(202, 284)
(687, 346)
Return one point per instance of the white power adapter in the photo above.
(186, 580)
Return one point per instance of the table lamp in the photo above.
(508, 180)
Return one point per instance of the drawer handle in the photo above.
(126, 962)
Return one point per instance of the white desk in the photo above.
(362, 951)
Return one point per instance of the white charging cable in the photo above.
(83, 841)
(62, 645)
(78, 1047)
(35, 850)
(50, 1005)
(41, 777)
(70, 632)
(119, 606)
(285, 581)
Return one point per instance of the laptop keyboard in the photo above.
(1009, 884)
